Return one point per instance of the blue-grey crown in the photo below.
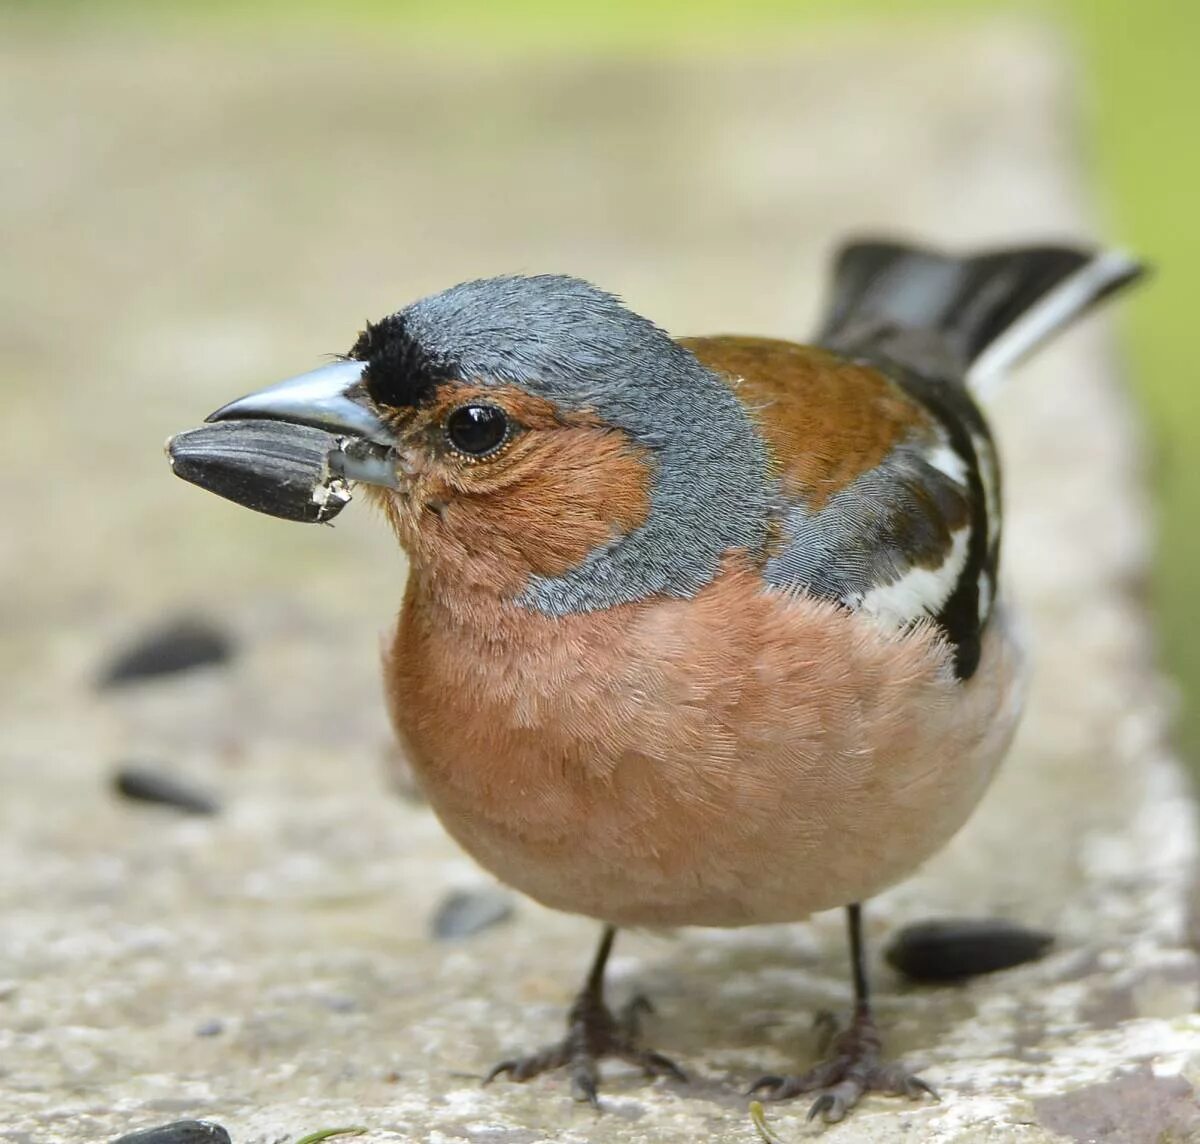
(556, 336)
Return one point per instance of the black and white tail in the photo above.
(968, 317)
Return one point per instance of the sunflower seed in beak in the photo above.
(273, 467)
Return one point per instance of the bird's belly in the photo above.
(709, 784)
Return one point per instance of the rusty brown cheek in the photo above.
(567, 491)
(826, 421)
(564, 488)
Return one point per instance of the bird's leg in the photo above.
(593, 1032)
(855, 1062)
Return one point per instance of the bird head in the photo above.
(534, 438)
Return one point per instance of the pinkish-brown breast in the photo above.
(738, 757)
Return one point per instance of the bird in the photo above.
(700, 631)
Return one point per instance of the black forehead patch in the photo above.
(400, 371)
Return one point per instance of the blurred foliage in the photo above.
(1145, 86)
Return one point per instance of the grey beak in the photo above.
(330, 398)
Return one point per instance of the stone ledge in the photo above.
(271, 968)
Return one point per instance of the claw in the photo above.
(583, 1086)
(770, 1081)
(915, 1088)
(630, 1019)
(656, 1064)
(822, 1106)
(499, 1070)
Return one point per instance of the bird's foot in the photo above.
(854, 1067)
(593, 1033)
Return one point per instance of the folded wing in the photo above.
(888, 494)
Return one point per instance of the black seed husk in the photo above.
(465, 913)
(143, 783)
(269, 466)
(950, 949)
(178, 1132)
(177, 645)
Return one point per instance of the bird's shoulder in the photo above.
(888, 486)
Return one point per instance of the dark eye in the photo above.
(477, 430)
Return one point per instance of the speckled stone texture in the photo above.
(188, 219)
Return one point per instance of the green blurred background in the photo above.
(1140, 90)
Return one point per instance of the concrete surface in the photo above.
(187, 219)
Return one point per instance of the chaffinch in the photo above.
(702, 631)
